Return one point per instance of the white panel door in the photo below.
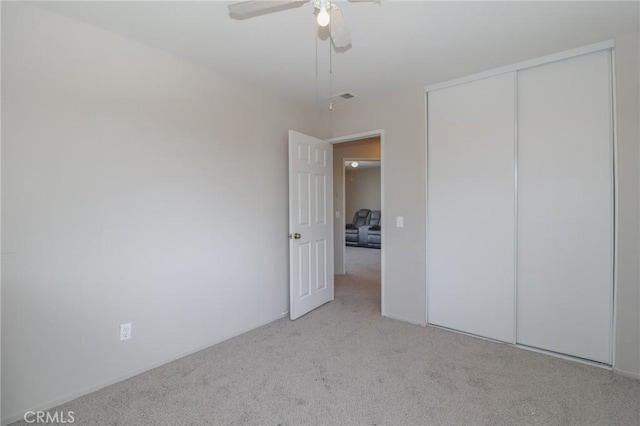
(310, 224)
(470, 208)
(565, 207)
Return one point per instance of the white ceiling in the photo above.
(396, 44)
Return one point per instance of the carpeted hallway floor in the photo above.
(345, 364)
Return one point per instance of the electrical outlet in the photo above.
(125, 331)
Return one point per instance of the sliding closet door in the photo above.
(470, 208)
(565, 207)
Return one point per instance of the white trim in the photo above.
(383, 230)
(354, 137)
(615, 215)
(426, 208)
(343, 211)
(609, 44)
(357, 136)
(403, 319)
(476, 336)
(625, 373)
(541, 351)
(563, 356)
(71, 396)
(515, 207)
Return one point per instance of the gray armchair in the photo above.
(374, 233)
(365, 230)
(360, 218)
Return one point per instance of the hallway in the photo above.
(360, 286)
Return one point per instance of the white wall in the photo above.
(362, 190)
(135, 188)
(627, 350)
(402, 117)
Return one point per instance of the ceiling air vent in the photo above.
(342, 96)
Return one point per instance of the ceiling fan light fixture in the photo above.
(323, 17)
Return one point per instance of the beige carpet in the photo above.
(344, 364)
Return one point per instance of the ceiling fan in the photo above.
(327, 12)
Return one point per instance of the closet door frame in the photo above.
(605, 45)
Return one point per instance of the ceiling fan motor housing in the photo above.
(322, 3)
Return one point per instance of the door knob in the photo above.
(295, 236)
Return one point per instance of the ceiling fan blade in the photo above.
(339, 33)
(249, 9)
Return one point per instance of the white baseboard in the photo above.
(70, 397)
(629, 374)
(567, 357)
(451, 330)
(623, 373)
(399, 318)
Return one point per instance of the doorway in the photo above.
(359, 262)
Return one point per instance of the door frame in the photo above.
(350, 138)
(343, 207)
